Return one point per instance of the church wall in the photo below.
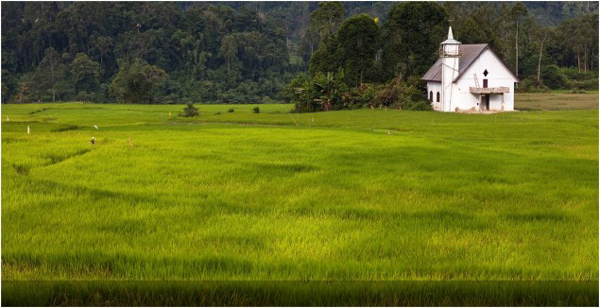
(434, 87)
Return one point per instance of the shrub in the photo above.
(84, 96)
(322, 92)
(231, 110)
(267, 100)
(397, 94)
(360, 96)
(573, 73)
(256, 109)
(190, 111)
(532, 85)
(590, 84)
(421, 106)
(553, 77)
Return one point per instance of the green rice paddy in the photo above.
(362, 195)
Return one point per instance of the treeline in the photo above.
(144, 52)
(248, 52)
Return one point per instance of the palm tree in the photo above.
(327, 88)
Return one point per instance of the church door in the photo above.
(485, 83)
(486, 102)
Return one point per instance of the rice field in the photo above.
(348, 196)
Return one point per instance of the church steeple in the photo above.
(450, 56)
(450, 47)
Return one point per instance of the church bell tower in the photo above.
(450, 55)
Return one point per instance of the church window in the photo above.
(431, 96)
(438, 97)
(485, 73)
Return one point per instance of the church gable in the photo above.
(487, 62)
(469, 53)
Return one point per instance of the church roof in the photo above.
(468, 54)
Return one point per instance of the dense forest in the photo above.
(327, 55)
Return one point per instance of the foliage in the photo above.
(589, 84)
(327, 58)
(532, 84)
(211, 51)
(412, 35)
(358, 39)
(554, 78)
(190, 111)
(137, 82)
(400, 95)
(323, 92)
(360, 96)
(326, 18)
(256, 109)
(50, 71)
(85, 73)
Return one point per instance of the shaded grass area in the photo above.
(240, 293)
(378, 195)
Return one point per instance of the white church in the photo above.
(469, 78)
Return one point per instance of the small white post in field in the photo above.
(7, 119)
(95, 126)
(28, 130)
(169, 114)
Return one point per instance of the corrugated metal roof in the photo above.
(468, 54)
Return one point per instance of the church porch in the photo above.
(486, 95)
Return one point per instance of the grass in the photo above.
(557, 100)
(285, 293)
(363, 195)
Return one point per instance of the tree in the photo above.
(228, 50)
(471, 32)
(541, 36)
(327, 58)
(517, 11)
(326, 18)
(137, 82)
(49, 72)
(23, 94)
(359, 40)
(412, 34)
(308, 43)
(324, 21)
(85, 72)
(103, 44)
(553, 77)
(330, 88)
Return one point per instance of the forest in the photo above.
(321, 56)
